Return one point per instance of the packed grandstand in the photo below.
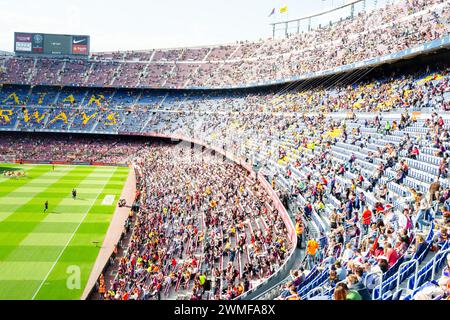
(393, 28)
(331, 187)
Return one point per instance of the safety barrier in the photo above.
(399, 274)
(380, 284)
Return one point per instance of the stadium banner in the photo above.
(23, 46)
(22, 42)
(108, 164)
(38, 43)
(57, 44)
(51, 44)
(67, 162)
(79, 49)
(24, 161)
(80, 45)
(23, 37)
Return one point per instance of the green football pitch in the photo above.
(50, 255)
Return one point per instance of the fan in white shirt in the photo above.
(348, 252)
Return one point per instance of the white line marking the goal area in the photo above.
(108, 200)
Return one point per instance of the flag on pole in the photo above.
(284, 9)
(272, 12)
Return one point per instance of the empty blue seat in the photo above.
(387, 296)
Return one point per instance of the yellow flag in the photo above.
(284, 9)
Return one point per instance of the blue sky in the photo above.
(147, 24)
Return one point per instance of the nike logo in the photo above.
(82, 40)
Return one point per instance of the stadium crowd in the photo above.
(377, 188)
(393, 28)
(109, 111)
(71, 148)
(205, 230)
(371, 186)
(363, 165)
(373, 223)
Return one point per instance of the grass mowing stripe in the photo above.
(85, 244)
(32, 208)
(68, 242)
(13, 208)
(33, 173)
(30, 244)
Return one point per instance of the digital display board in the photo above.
(51, 44)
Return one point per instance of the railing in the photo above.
(380, 284)
(112, 257)
(399, 274)
(315, 290)
(109, 263)
(437, 257)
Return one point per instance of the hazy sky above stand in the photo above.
(146, 24)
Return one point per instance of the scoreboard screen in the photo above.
(51, 44)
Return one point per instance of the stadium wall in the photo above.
(77, 163)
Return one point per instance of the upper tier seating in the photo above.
(403, 25)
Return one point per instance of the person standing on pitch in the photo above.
(45, 206)
(74, 194)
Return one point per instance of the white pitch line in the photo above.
(70, 239)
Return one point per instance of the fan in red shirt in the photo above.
(414, 152)
(366, 219)
(391, 254)
(360, 179)
(194, 262)
(379, 207)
